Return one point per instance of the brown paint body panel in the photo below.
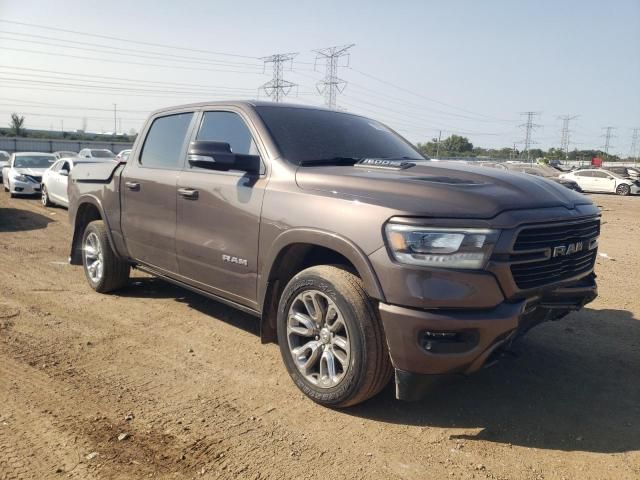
(252, 219)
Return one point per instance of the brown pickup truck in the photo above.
(359, 256)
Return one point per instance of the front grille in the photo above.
(551, 269)
(34, 178)
(533, 238)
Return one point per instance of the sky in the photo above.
(461, 66)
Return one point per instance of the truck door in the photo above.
(219, 215)
(148, 188)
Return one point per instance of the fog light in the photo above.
(448, 342)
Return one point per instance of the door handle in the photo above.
(135, 186)
(188, 193)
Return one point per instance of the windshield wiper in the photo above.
(330, 161)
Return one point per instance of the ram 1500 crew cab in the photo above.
(360, 258)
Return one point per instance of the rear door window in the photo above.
(164, 145)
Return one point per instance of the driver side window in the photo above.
(229, 128)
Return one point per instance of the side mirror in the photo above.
(218, 156)
(64, 173)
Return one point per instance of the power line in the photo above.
(127, 53)
(277, 88)
(120, 80)
(566, 133)
(128, 41)
(529, 127)
(331, 85)
(385, 82)
(120, 62)
(91, 85)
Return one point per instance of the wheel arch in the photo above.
(88, 210)
(297, 249)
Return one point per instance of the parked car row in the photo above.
(46, 174)
(618, 180)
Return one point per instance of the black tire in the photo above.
(623, 189)
(46, 202)
(369, 369)
(115, 271)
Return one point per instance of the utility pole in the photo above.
(608, 135)
(277, 88)
(115, 108)
(529, 127)
(565, 138)
(331, 85)
(438, 144)
(635, 137)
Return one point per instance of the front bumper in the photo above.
(635, 189)
(436, 342)
(25, 188)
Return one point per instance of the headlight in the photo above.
(441, 247)
(20, 178)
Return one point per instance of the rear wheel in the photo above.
(104, 270)
(623, 189)
(331, 337)
(45, 197)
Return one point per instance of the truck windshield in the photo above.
(312, 136)
(33, 161)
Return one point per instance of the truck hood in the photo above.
(440, 190)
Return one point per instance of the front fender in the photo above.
(321, 238)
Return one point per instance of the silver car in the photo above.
(23, 174)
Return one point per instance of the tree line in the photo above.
(458, 146)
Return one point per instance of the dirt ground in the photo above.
(199, 397)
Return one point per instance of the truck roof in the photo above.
(237, 103)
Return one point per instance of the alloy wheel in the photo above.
(93, 258)
(318, 339)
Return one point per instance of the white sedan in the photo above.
(23, 174)
(603, 181)
(55, 180)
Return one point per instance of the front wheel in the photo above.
(623, 189)
(331, 337)
(46, 202)
(104, 270)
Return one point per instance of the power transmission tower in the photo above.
(565, 138)
(277, 88)
(331, 85)
(635, 137)
(608, 135)
(529, 128)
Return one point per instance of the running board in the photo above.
(211, 296)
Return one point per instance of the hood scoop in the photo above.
(384, 164)
(447, 180)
